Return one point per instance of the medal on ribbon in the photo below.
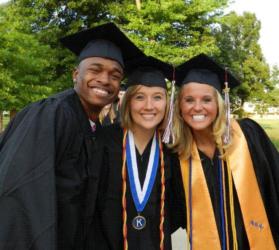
(141, 194)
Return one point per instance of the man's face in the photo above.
(97, 82)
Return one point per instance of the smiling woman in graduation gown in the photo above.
(118, 209)
(230, 169)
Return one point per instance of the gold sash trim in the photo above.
(204, 229)
(248, 192)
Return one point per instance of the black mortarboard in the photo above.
(102, 41)
(203, 69)
(148, 71)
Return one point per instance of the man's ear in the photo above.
(75, 75)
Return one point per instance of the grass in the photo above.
(271, 127)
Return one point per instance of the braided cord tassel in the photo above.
(162, 203)
(231, 202)
(225, 205)
(168, 135)
(124, 188)
(226, 137)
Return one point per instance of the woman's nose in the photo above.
(149, 103)
(197, 105)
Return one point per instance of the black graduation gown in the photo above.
(46, 162)
(110, 205)
(265, 159)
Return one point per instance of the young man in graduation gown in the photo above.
(49, 157)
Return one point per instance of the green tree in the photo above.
(171, 30)
(239, 47)
(174, 30)
(274, 92)
(33, 65)
(50, 20)
(25, 64)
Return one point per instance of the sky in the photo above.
(267, 12)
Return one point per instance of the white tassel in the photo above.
(168, 134)
(227, 136)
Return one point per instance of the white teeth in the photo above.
(100, 91)
(148, 116)
(198, 118)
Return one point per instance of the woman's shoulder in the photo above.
(171, 157)
(250, 126)
(255, 134)
(248, 122)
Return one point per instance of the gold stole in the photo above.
(204, 229)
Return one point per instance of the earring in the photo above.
(74, 80)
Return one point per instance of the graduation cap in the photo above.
(203, 69)
(105, 40)
(148, 71)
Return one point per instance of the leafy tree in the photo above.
(50, 20)
(173, 31)
(274, 92)
(33, 65)
(25, 64)
(239, 47)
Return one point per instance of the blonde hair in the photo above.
(182, 132)
(127, 122)
(125, 109)
(107, 112)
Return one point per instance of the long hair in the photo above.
(127, 122)
(183, 134)
(110, 113)
(125, 109)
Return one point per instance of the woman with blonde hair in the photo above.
(230, 169)
(137, 192)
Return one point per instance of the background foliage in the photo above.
(33, 65)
